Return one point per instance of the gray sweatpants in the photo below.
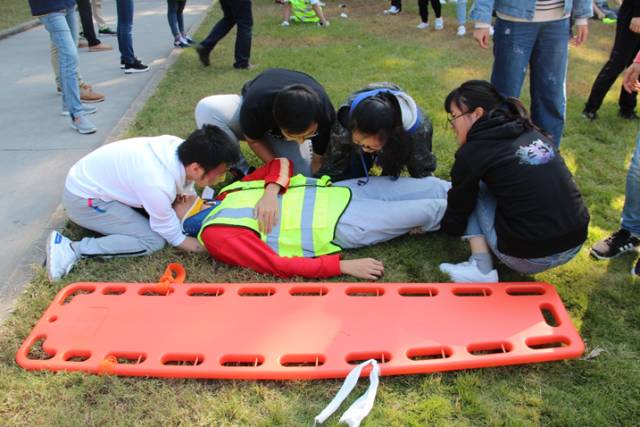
(126, 231)
(224, 111)
(384, 209)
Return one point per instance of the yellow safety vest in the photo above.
(308, 214)
(302, 11)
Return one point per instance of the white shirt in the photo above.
(138, 172)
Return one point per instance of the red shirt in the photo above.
(243, 247)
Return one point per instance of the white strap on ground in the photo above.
(361, 407)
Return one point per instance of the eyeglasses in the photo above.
(300, 137)
(452, 118)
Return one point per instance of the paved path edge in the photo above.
(34, 257)
(19, 28)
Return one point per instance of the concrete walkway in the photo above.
(37, 147)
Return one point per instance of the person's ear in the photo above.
(477, 113)
(193, 170)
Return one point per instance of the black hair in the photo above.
(296, 107)
(209, 147)
(381, 115)
(480, 93)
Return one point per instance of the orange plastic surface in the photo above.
(297, 330)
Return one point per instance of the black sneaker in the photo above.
(106, 31)
(628, 115)
(122, 64)
(203, 54)
(618, 243)
(135, 67)
(589, 115)
(635, 271)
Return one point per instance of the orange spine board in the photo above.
(288, 331)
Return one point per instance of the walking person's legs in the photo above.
(221, 29)
(243, 17)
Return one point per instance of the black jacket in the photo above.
(339, 157)
(43, 7)
(539, 211)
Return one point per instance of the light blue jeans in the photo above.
(543, 48)
(386, 208)
(461, 11)
(62, 29)
(631, 210)
(482, 222)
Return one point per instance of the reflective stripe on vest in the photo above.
(301, 10)
(308, 214)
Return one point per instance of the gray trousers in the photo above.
(224, 111)
(385, 208)
(126, 231)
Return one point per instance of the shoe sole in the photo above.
(92, 101)
(48, 255)
(603, 258)
(83, 132)
(135, 71)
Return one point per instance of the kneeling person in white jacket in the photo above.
(125, 191)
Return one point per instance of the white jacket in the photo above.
(138, 172)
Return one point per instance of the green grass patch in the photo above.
(367, 47)
(14, 12)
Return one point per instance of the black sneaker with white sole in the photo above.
(620, 242)
(135, 67)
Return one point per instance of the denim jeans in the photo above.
(631, 210)
(174, 16)
(482, 222)
(461, 11)
(62, 29)
(543, 48)
(124, 10)
(235, 12)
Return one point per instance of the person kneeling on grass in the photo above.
(379, 125)
(125, 190)
(512, 193)
(295, 226)
(303, 11)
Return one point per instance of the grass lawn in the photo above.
(370, 47)
(14, 12)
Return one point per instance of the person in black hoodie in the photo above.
(512, 193)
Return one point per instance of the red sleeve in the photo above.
(241, 246)
(278, 171)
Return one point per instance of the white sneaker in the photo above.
(391, 11)
(461, 30)
(467, 272)
(439, 24)
(284, 24)
(422, 26)
(60, 256)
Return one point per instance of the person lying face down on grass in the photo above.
(511, 193)
(125, 191)
(296, 226)
(379, 124)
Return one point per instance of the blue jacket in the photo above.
(524, 9)
(43, 7)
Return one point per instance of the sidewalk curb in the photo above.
(19, 28)
(23, 273)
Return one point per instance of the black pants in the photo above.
(423, 6)
(86, 19)
(236, 12)
(625, 48)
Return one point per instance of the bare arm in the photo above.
(261, 148)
